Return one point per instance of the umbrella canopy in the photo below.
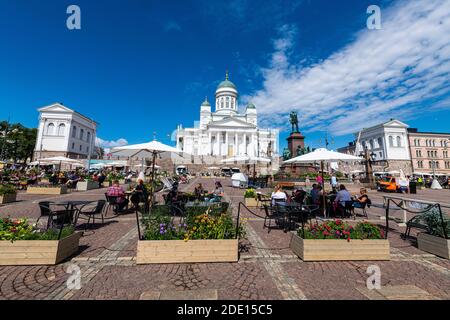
(323, 154)
(213, 168)
(143, 150)
(60, 159)
(245, 159)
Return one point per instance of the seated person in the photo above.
(117, 191)
(53, 179)
(217, 194)
(362, 200)
(101, 179)
(299, 196)
(316, 194)
(72, 180)
(199, 192)
(140, 193)
(278, 195)
(342, 196)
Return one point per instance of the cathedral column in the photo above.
(236, 145)
(245, 143)
(210, 146)
(226, 143)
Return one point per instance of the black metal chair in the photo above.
(271, 214)
(90, 211)
(111, 203)
(57, 218)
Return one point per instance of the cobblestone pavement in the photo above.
(267, 268)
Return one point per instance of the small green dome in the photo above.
(206, 103)
(251, 106)
(226, 83)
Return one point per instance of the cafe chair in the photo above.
(90, 210)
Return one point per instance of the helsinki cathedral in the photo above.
(226, 132)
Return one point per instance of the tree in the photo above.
(16, 142)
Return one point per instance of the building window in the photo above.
(50, 129)
(61, 129)
(228, 103)
(380, 143)
(87, 149)
(436, 163)
(445, 154)
(73, 145)
(221, 103)
(81, 134)
(391, 141)
(81, 147)
(399, 141)
(372, 144)
(88, 137)
(74, 132)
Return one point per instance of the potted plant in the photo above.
(87, 184)
(24, 244)
(436, 239)
(337, 240)
(47, 189)
(250, 198)
(8, 193)
(199, 238)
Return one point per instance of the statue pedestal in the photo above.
(295, 140)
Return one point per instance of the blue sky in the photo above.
(139, 67)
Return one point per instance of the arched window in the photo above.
(434, 143)
(399, 141)
(74, 132)
(232, 103)
(391, 141)
(380, 143)
(88, 137)
(81, 134)
(228, 103)
(372, 144)
(61, 129)
(221, 103)
(50, 129)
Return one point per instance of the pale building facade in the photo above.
(430, 152)
(64, 132)
(388, 143)
(225, 132)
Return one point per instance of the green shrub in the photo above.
(7, 189)
(20, 229)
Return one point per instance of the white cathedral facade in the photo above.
(225, 132)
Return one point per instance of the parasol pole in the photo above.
(153, 176)
(323, 190)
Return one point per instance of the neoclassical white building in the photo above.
(64, 132)
(226, 132)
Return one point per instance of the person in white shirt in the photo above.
(278, 195)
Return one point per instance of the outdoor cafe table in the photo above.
(71, 205)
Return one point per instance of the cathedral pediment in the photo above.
(56, 108)
(231, 122)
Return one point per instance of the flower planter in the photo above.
(121, 181)
(192, 251)
(251, 202)
(45, 181)
(340, 250)
(87, 185)
(435, 245)
(38, 252)
(47, 190)
(8, 198)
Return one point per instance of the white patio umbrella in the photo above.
(145, 150)
(247, 160)
(323, 155)
(61, 160)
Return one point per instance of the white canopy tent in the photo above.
(323, 155)
(145, 150)
(60, 160)
(246, 160)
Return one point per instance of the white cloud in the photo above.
(111, 143)
(393, 72)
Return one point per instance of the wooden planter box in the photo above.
(435, 245)
(87, 185)
(180, 251)
(251, 202)
(45, 181)
(38, 252)
(8, 198)
(47, 190)
(340, 250)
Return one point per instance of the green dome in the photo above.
(251, 106)
(226, 83)
(206, 103)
